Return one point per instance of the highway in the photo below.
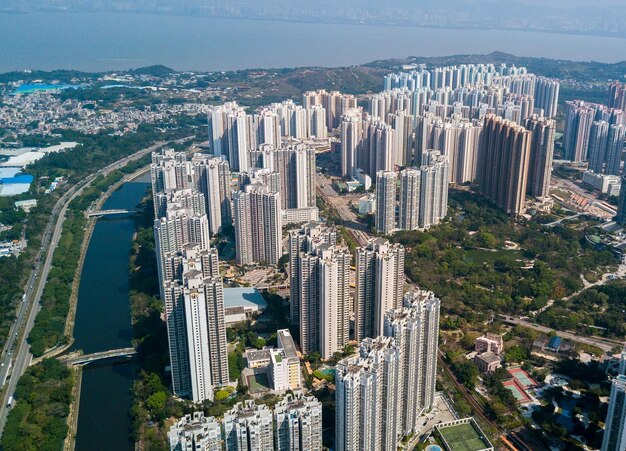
(16, 355)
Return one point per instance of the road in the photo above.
(603, 343)
(341, 204)
(16, 354)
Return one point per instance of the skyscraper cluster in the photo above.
(547, 96)
(473, 91)
(606, 144)
(381, 392)
(423, 195)
(295, 424)
(454, 137)
(234, 134)
(294, 161)
(334, 103)
(189, 279)
(586, 132)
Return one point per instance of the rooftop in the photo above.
(286, 341)
(249, 298)
(489, 357)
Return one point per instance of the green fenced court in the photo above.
(463, 437)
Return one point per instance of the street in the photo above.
(603, 343)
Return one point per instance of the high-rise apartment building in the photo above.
(212, 178)
(305, 241)
(298, 422)
(295, 424)
(295, 162)
(334, 103)
(386, 187)
(248, 427)
(379, 285)
(402, 124)
(578, 121)
(541, 155)
(617, 96)
(351, 139)
(615, 423)
(317, 122)
(415, 328)
(320, 288)
(456, 138)
(615, 148)
(381, 148)
(381, 392)
(196, 432)
(424, 193)
(258, 224)
(547, 96)
(598, 140)
(410, 198)
(190, 285)
(232, 134)
(503, 164)
(433, 189)
(366, 398)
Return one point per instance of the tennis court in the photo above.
(463, 437)
(523, 378)
(517, 390)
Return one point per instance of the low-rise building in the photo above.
(241, 303)
(606, 184)
(285, 342)
(280, 367)
(489, 343)
(487, 362)
(300, 215)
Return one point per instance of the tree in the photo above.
(156, 402)
(467, 373)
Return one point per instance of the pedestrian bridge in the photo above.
(100, 213)
(85, 359)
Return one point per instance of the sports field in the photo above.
(463, 437)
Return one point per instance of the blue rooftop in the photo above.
(21, 178)
(243, 297)
(555, 343)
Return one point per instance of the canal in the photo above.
(102, 323)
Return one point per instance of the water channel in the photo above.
(103, 323)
